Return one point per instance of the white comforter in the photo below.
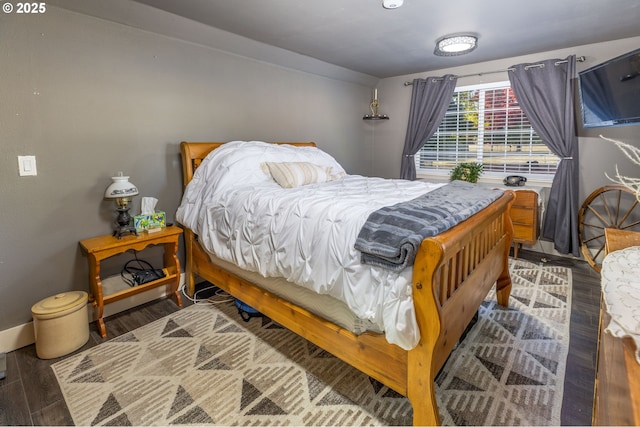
(304, 234)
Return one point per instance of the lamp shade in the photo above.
(120, 187)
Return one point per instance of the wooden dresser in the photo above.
(525, 215)
(617, 388)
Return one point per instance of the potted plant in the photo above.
(469, 172)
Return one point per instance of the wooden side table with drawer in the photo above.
(103, 247)
(525, 216)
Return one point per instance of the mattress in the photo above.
(324, 306)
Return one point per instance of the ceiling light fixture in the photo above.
(455, 45)
(392, 4)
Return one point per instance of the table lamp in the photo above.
(122, 190)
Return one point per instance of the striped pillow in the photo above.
(295, 174)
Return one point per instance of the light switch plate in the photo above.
(27, 166)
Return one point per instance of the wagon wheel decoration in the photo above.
(611, 206)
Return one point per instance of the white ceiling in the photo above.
(362, 36)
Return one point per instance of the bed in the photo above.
(451, 275)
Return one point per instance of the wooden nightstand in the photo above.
(525, 217)
(103, 247)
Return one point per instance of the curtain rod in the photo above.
(564, 61)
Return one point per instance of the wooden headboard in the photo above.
(194, 152)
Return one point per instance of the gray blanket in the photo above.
(392, 235)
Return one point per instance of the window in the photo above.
(484, 123)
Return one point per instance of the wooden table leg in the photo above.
(102, 328)
(96, 293)
(171, 261)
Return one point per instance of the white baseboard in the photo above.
(16, 337)
(23, 335)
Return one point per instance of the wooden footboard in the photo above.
(452, 274)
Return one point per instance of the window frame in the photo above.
(487, 176)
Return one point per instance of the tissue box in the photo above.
(150, 222)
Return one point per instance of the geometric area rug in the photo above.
(203, 365)
(510, 368)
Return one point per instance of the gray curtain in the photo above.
(430, 99)
(545, 93)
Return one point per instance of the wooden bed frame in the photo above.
(452, 274)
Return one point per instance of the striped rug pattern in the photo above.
(203, 365)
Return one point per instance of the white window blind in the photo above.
(484, 123)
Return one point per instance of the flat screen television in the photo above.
(610, 92)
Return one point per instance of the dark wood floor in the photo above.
(30, 395)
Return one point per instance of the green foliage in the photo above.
(469, 172)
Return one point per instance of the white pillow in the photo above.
(295, 174)
(239, 163)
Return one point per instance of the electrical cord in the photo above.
(219, 296)
(142, 266)
(127, 280)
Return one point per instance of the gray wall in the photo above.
(596, 155)
(89, 98)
